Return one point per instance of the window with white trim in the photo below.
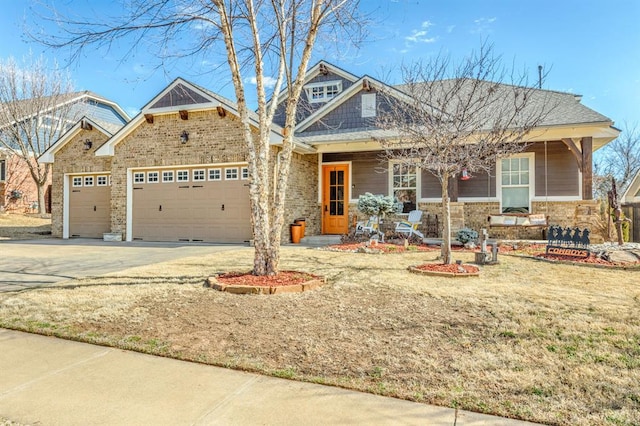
(323, 91)
(167, 176)
(153, 177)
(102, 181)
(515, 181)
(182, 175)
(198, 175)
(244, 173)
(215, 174)
(231, 173)
(88, 181)
(77, 181)
(138, 177)
(404, 186)
(368, 105)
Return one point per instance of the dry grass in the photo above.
(549, 343)
(15, 226)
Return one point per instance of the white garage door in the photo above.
(89, 206)
(209, 204)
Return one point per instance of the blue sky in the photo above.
(589, 47)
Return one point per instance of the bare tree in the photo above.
(451, 118)
(620, 160)
(36, 106)
(269, 38)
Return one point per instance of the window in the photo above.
(167, 176)
(215, 174)
(404, 181)
(323, 91)
(368, 105)
(515, 178)
(231, 174)
(3, 170)
(198, 175)
(244, 173)
(138, 177)
(88, 181)
(183, 175)
(77, 181)
(102, 181)
(152, 177)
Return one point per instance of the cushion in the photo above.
(537, 219)
(523, 221)
(509, 220)
(496, 220)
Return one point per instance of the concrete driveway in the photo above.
(38, 263)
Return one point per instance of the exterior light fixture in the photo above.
(465, 175)
(184, 136)
(88, 144)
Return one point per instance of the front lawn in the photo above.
(550, 343)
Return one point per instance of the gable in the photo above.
(348, 115)
(179, 95)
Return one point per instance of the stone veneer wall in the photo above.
(302, 195)
(73, 158)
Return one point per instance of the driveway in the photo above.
(38, 263)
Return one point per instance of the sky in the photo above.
(587, 47)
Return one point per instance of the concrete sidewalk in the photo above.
(46, 381)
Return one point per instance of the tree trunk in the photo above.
(445, 251)
(42, 209)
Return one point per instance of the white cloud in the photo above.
(450, 29)
(269, 82)
(420, 36)
(483, 25)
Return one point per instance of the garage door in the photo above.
(192, 204)
(89, 206)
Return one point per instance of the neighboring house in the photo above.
(630, 201)
(18, 192)
(178, 170)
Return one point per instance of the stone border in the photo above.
(252, 289)
(414, 269)
(631, 267)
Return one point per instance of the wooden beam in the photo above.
(149, 118)
(574, 150)
(221, 112)
(587, 168)
(86, 125)
(184, 114)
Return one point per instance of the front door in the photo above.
(335, 199)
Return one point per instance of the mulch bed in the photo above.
(284, 278)
(380, 248)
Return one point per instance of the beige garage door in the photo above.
(192, 204)
(89, 206)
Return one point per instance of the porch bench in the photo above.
(505, 220)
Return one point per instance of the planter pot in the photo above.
(296, 233)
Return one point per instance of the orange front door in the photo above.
(335, 199)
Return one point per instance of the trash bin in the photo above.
(301, 221)
(296, 233)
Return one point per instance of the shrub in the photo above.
(466, 235)
(375, 205)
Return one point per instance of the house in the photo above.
(18, 192)
(178, 170)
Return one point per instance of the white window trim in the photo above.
(138, 175)
(532, 176)
(73, 181)
(184, 172)
(219, 178)
(166, 174)
(106, 180)
(91, 178)
(324, 84)
(367, 110)
(156, 173)
(229, 169)
(244, 173)
(418, 181)
(196, 177)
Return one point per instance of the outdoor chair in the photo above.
(370, 227)
(410, 226)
